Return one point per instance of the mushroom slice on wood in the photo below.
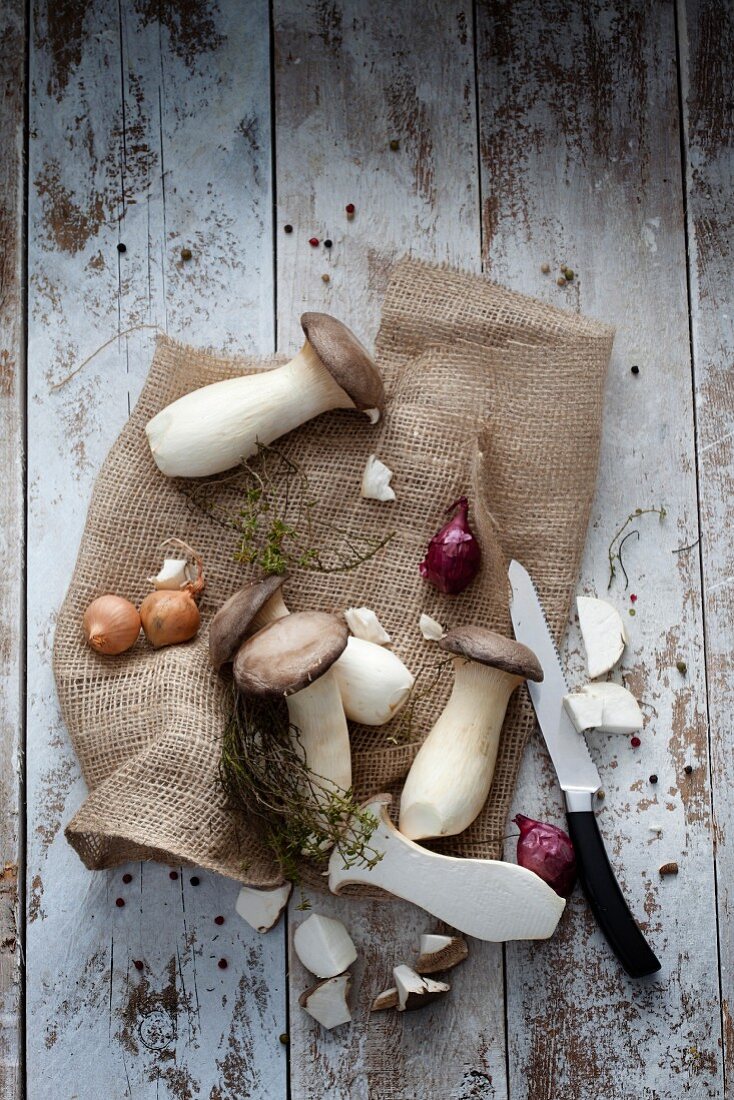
(324, 946)
(440, 953)
(328, 1001)
(262, 908)
(603, 632)
(387, 999)
(415, 991)
(610, 708)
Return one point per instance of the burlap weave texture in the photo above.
(490, 393)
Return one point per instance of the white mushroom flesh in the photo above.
(603, 632)
(440, 953)
(328, 1002)
(373, 682)
(431, 630)
(610, 708)
(387, 999)
(262, 908)
(363, 623)
(324, 946)
(317, 713)
(174, 574)
(213, 428)
(414, 991)
(376, 480)
(450, 777)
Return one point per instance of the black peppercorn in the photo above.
(635, 370)
(688, 769)
(195, 880)
(328, 243)
(122, 247)
(287, 228)
(653, 778)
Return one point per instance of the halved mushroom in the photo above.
(440, 953)
(215, 427)
(262, 908)
(324, 946)
(415, 991)
(450, 778)
(373, 682)
(293, 657)
(328, 1001)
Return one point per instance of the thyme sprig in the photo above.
(616, 546)
(263, 771)
(277, 526)
(427, 681)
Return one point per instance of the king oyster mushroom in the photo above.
(293, 657)
(328, 1001)
(449, 779)
(324, 946)
(213, 428)
(373, 682)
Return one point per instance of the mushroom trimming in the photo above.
(376, 480)
(324, 946)
(213, 428)
(262, 908)
(610, 708)
(328, 1001)
(415, 991)
(440, 953)
(485, 898)
(603, 632)
(373, 682)
(451, 776)
(293, 657)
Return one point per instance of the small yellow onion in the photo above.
(171, 616)
(111, 624)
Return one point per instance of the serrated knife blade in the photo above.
(568, 750)
(579, 780)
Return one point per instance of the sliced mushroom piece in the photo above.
(430, 628)
(373, 682)
(376, 480)
(440, 953)
(363, 623)
(324, 946)
(174, 574)
(415, 991)
(603, 632)
(328, 1001)
(293, 657)
(387, 999)
(450, 778)
(232, 623)
(262, 908)
(213, 428)
(610, 708)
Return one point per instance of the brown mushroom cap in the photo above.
(346, 359)
(290, 653)
(229, 626)
(488, 648)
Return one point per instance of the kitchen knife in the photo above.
(579, 781)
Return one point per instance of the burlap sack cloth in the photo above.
(462, 360)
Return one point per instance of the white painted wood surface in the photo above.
(12, 406)
(152, 127)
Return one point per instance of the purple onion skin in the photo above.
(453, 557)
(548, 852)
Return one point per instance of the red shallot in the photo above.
(548, 851)
(454, 555)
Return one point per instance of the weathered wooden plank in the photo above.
(706, 38)
(12, 403)
(139, 137)
(350, 79)
(581, 165)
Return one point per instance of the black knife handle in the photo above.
(606, 899)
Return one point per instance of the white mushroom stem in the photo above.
(213, 428)
(318, 714)
(328, 1001)
(486, 898)
(324, 946)
(373, 682)
(262, 908)
(450, 778)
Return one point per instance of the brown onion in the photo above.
(170, 617)
(111, 624)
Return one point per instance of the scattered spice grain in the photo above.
(195, 880)
(122, 247)
(669, 868)
(173, 875)
(219, 920)
(287, 228)
(545, 268)
(138, 964)
(561, 281)
(313, 241)
(222, 964)
(688, 769)
(186, 254)
(635, 370)
(127, 877)
(120, 903)
(653, 778)
(394, 145)
(635, 742)
(682, 667)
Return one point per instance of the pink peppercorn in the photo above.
(633, 598)
(222, 964)
(313, 241)
(138, 964)
(635, 742)
(219, 920)
(120, 903)
(173, 875)
(127, 878)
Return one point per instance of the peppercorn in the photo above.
(635, 742)
(568, 273)
(127, 878)
(635, 370)
(682, 667)
(561, 281)
(219, 920)
(195, 880)
(653, 778)
(222, 964)
(284, 1038)
(314, 242)
(120, 902)
(173, 875)
(328, 243)
(394, 145)
(545, 268)
(185, 254)
(632, 612)
(138, 964)
(600, 794)
(669, 869)
(122, 247)
(287, 228)
(688, 769)
(326, 278)
(350, 209)
(633, 598)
